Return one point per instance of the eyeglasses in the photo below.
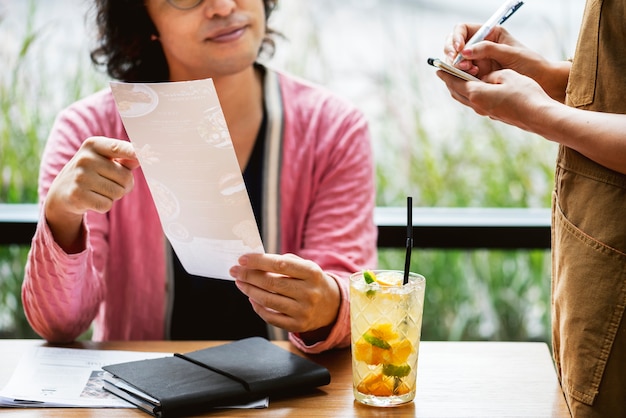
(190, 4)
(184, 4)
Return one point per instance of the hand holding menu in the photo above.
(187, 156)
(192, 383)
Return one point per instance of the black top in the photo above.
(214, 309)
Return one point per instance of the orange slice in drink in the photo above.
(378, 385)
(400, 351)
(375, 384)
(383, 331)
(389, 279)
(370, 354)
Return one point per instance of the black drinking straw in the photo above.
(409, 237)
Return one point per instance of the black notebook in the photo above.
(229, 374)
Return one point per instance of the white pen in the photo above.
(503, 13)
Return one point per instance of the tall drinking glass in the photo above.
(386, 325)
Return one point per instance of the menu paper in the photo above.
(184, 148)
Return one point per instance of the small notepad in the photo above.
(233, 373)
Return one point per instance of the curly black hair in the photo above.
(125, 47)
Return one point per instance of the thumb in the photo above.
(117, 150)
(504, 55)
(130, 164)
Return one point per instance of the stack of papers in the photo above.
(65, 377)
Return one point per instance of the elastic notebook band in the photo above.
(218, 371)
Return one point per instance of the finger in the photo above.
(91, 181)
(467, 66)
(86, 195)
(128, 163)
(118, 173)
(492, 52)
(97, 192)
(276, 318)
(287, 264)
(501, 76)
(453, 82)
(455, 86)
(458, 37)
(278, 302)
(100, 175)
(271, 306)
(118, 159)
(260, 285)
(449, 48)
(460, 98)
(500, 35)
(292, 316)
(99, 202)
(115, 184)
(115, 149)
(456, 40)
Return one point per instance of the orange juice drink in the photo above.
(386, 324)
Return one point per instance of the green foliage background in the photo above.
(472, 161)
(27, 109)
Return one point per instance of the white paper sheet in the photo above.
(186, 153)
(65, 377)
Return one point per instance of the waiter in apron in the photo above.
(581, 105)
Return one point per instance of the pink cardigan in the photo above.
(322, 180)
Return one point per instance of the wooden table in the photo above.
(455, 379)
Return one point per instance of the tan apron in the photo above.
(589, 232)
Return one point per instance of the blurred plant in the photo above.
(428, 146)
(26, 115)
(467, 161)
(19, 139)
(13, 323)
(425, 144)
